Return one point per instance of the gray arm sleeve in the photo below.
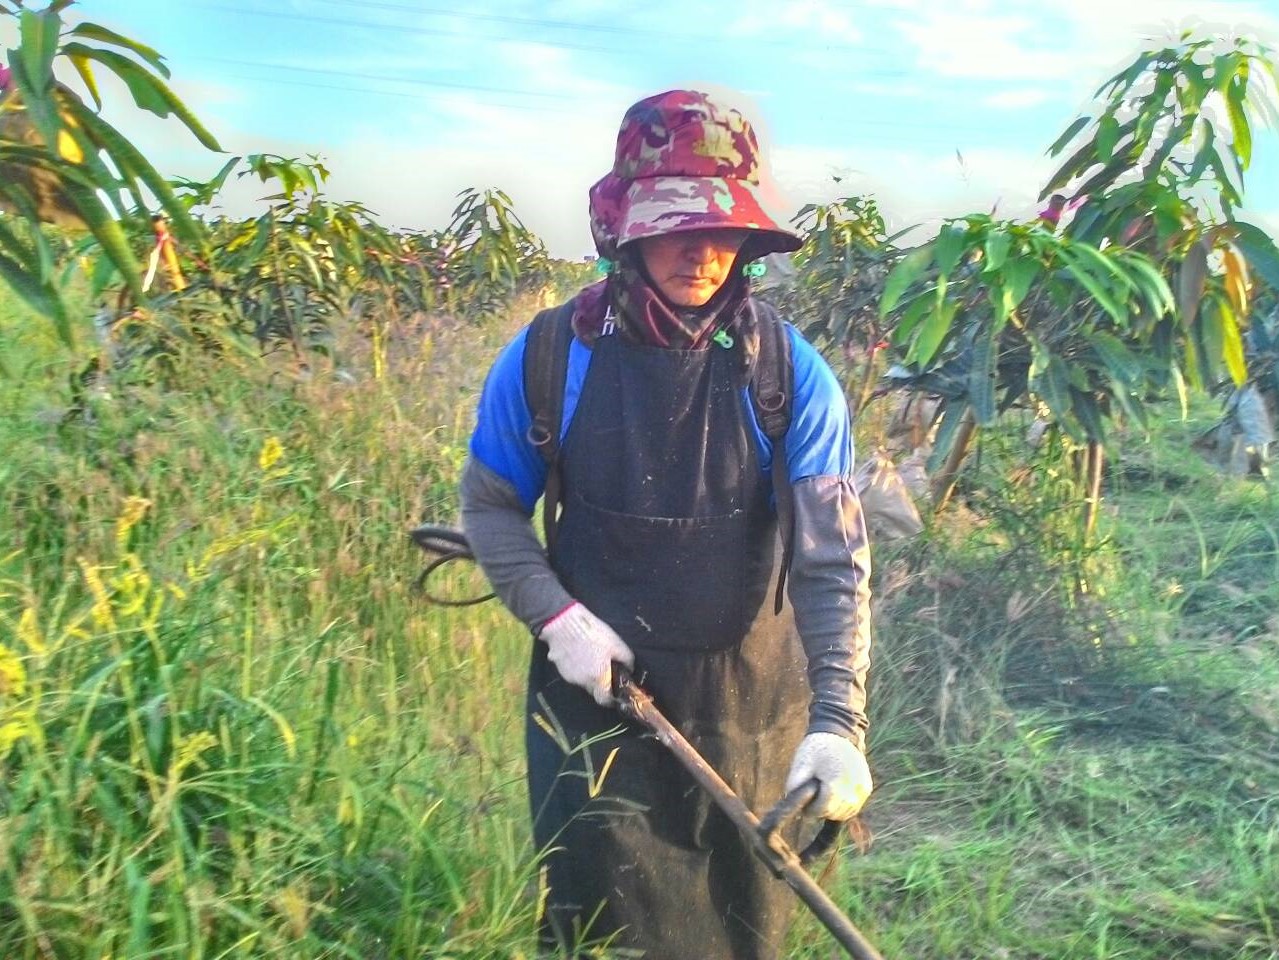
(830, 591)
(502, 538)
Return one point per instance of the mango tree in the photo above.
(61, 162)
(1088, 313)
(839, 276)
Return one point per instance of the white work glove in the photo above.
(839, 766)
(583, 648)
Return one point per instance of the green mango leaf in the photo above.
(84, 68)
(110, 235)
(149, 91)
(41, 298)
(981, 377)
(1260, 249)
(1096, 287)
(1192, 279)
(1172, 139)
(38, 44)
(933, 332)
(1224, 67)
(1211, 335)
(92, 31)
(1084, 406)
(1018, 275)
(1229, 193)
(950, 245)
(947, 430)
(1124, 365)
(909, 269)
(1242, 132)
(910, 318)
(998, 243)
(1148, 280)
(1205, 154)
(130, 161)
(1051, 383)
(1107, 137)
(1232, 350)
(1068, 135)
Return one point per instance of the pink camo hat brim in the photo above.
(656, 205)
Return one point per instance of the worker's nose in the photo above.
(699, 248)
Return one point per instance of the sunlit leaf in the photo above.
(93, 31)
(908, 270)
(1242, 133)
(950, 244)
(1232, 350)
(85, 69)
(933, 332)
(149, 91)
(1236, 280)
(997, 244)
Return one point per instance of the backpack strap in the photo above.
(545, 373)
(772, 391)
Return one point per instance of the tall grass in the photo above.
(230, 728)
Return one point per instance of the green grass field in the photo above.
(230, 728)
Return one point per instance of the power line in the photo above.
(507, 91)
(392, 27)
(347, 22)
(414, 81)
(605, 28)
(416, 97)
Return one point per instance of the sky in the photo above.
(937, 108)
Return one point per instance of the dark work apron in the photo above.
(668, 535)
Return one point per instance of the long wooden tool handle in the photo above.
(636, 704)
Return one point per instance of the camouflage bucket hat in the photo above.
(683, 162)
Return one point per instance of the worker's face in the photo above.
(690, 266)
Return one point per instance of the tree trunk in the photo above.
(944, 483)
(1093, 463)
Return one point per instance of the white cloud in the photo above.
(963, 41)
(918, 186)
(1065, 38)
(1017, 99)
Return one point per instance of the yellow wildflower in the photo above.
(135, 508)
(29, 631)
(16, 725)
(272, 451)
(189, 749)
(13, 676)
(102, 615)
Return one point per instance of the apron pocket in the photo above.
(663, 582)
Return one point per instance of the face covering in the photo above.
(643, 315)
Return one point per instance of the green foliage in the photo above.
(224, 738)
(61, 162)
(997, 311)
(839, 270)
(1088, 320)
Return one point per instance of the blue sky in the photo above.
(937, 107)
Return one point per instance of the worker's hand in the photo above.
(837, 764)
(583, 648)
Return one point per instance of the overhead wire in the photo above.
(603, 28)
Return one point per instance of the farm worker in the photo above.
(665, 558)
